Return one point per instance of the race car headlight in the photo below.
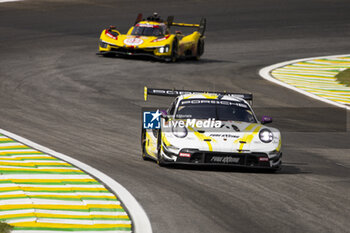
(164, 49)
(179, 132)
(103, 44)
(266, 135)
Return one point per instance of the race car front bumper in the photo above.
(133, 51)
(252, 160)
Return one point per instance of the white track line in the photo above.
(266, 74)
(139, 217)
(3, 1)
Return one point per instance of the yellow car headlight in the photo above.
(163, 49)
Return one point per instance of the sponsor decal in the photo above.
(224, 159)
(187, 155)
(161, 39)
(224, 135)
(133, 41)
(221, 102)
(263, 159)
(151, 120)
(144, 25)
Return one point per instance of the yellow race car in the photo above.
(152, 37)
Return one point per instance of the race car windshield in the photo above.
(147, 31)
(229, 111)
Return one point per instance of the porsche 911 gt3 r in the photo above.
(228, 134)
(152, 37)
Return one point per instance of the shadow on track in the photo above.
(289, 168)
(286, 169)
(179, 61)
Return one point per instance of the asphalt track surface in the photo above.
(55, 91)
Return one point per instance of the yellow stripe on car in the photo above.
(165, 140)
(204, 138)
(247, 137)
(150, 147)
(210, 96)
(279, 145)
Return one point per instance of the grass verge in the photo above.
(5, 228)
(344, 77)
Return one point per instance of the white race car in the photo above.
(210, 129)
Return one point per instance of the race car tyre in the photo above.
(174, 49)
(143, 144)
(160, 159)
(200, 49)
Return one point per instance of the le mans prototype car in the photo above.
(152, 37)
(215, 128)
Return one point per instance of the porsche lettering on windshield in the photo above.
(222, 102)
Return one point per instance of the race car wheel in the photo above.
(174, 51)
(143, 145)
(200, 49)
(160, 159)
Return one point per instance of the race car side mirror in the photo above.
(164, 114)
(266, 120)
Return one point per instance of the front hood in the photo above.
(140, 41)
(232, 136)
(137, 41)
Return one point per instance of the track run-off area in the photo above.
(314, 77)
(41, 192)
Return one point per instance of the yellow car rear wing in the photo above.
(201, 26)
(174, 93)
(170, 22)
(185, 25)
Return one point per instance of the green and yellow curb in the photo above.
(42, 193)
(314, 77)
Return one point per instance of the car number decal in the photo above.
(133, 41)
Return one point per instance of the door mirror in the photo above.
(164, 114)
(266, 120)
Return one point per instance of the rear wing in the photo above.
(170, 22)
(175, 93)
(139, 18)
(201, 26)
